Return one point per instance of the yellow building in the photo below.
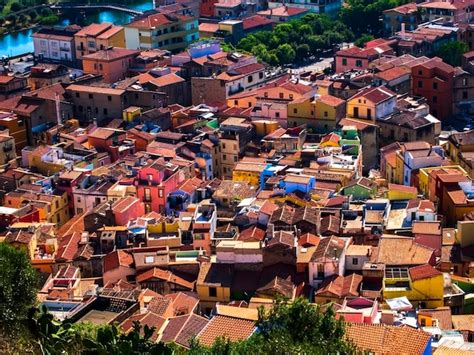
(371, 103)
(424, 176)
(96, 37)
(213, 284)
(51, 208)
(248, 172)
(401, 192)
(422, 285)
(320, 114)
(461, 149)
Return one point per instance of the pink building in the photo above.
(358, 310)
(155, 182)
(356, 58)
(126, 209)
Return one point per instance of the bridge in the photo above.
(107, 6)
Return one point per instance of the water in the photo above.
(16, 43)
(22, 42)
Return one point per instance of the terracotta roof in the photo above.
(157, 19)
(111, 54)
(149, 318)
(208, 27)
(432, 228)
(308, 239)
(255, 21)
(164, 275)
(330, 247)
(182, 329)
(279, 285)
(397, 250)
(330, 100)
(117, 258)
(404, 9)
(423, 272)
(393, 73)
(376, 95)
(463, 322)
(382, 339)
(252, 234)
(68, 247)
(404, 188)
(284, 11)
(442, 314)
(340, 286)
(231, 328)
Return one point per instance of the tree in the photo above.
(33, 14)
(288, 328)
(452, 52)
(18, 281)
(11, 18)
(285, 53)
(362, 40)
(302, 52)
(14, 7)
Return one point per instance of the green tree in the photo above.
(452, 52)
(15, 7)
(302, 52)
(11, 18)
(285, 53)
(33, 14)
(362, 40)
(288, 328)
(18, 281)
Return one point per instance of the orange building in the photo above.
(111, 63)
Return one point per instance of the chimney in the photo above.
(403, 29)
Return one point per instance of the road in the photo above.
(315, 67)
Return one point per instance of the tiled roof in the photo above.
(68, 247)
(423, 272)
(255, 21)
(308, 239)
(283, 11)
(231, 328)
(376, 95)
(117, 258)
(393, 73)
(182, 329)
(330, 247)
(340, 286)
(149, 318)
(442, 314)
(380, 339)
(398, 250)
(164, 275)
(251, 234)
(111, 54)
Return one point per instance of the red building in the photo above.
(206, 9)
(112, 141)
(434, 80)
(155, 182)
(9, 215)
(126, 209)
(66, 182)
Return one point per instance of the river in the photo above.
(21, 42)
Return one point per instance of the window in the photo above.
(464, 80)
(78, 95)
(420, 72)
(291, 96)
(260, 75)
(295, 110)
(235, 158)
(236, 102)
(224, 157)
(435, 86)
(147, 195)
(358, 63)
(355, 261)
(109, 98)
(212, 292)
(435, 99)
(464, 95)
(344, 61)
(325, 114)
(100, 67)
(420, 84)
(79, 210)
(91, 96)
(277, 114)
(280, 95)
(250, 78)
(105, 111)
(160, 193)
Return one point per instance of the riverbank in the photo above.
(17, 40)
